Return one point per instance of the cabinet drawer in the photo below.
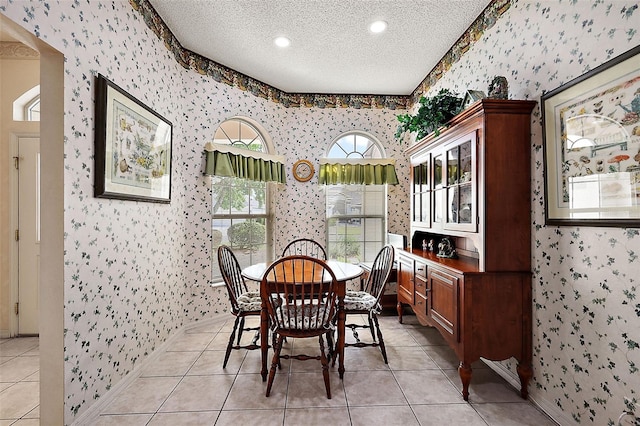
(405, 296)
(420, 306)
(421, 270)
(420, 285)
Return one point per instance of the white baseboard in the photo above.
(90, 416)
(535, 396)
(5, 334)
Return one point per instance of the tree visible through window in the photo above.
(240, 216)
(356, 214)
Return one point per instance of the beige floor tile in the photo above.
(409, 358)
(486, 386)
(220, 341)
(171, 364)
(210, 362)
(250, 417)
(383, 416)
(35, 377)
(372, 388)
(191, 342)
(123, 420)
(33, 352)
(211, 328)
(144, 395)
(252, 362)
(409, 319)
(367, 358)
(427, 387)
(19, 368)
(308, 390)
(443, 356)
(18, 346)
(427, 336)
(513, 414)
(191, 418)
(199, 393)
(19, 399)
(447, 414)
(33, 414)
(399, 337)
(248, 393)
(389, 321)
(420, 385)
(27, 422)
(338, 416)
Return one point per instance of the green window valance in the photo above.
(229, 161)
(358, 171)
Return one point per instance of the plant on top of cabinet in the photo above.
(433, 113)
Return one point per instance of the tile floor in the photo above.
(186, 385)
(19, 382)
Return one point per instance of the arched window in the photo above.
(32, 109)
(356, 214)
(240, 207)
(27, 106)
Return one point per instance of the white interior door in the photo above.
(28, 234)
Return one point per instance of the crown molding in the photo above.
(16, 50)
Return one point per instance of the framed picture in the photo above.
(133, 147)
(591, 131)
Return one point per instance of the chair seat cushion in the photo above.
(358, 301)
(249, 301)
(304, 318)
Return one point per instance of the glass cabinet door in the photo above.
(438, 188)
(460, 183)
(421, 193)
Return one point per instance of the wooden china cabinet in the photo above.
(472, 185)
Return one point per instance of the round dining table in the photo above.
(343, 271)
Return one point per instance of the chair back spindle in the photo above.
(305, 247)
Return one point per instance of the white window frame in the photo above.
(245, 258)
(345, 218)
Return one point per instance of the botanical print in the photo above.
(599, 147)
(139, 159)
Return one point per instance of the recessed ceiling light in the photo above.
(282, 41)
(378, 26)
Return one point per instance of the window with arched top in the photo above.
(27, 106)
(240, 206)
(32, 109)
(356, 214)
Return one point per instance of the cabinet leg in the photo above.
(465, 375)
(524, 372)
(399, 309)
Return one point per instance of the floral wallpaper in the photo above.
(586, 313)
(137, 272)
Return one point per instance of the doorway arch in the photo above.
(52, 235)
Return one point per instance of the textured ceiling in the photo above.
(332, 50)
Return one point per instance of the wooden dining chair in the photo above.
(244, 303)
(300, 296)
(305, 247)
(367, 301)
